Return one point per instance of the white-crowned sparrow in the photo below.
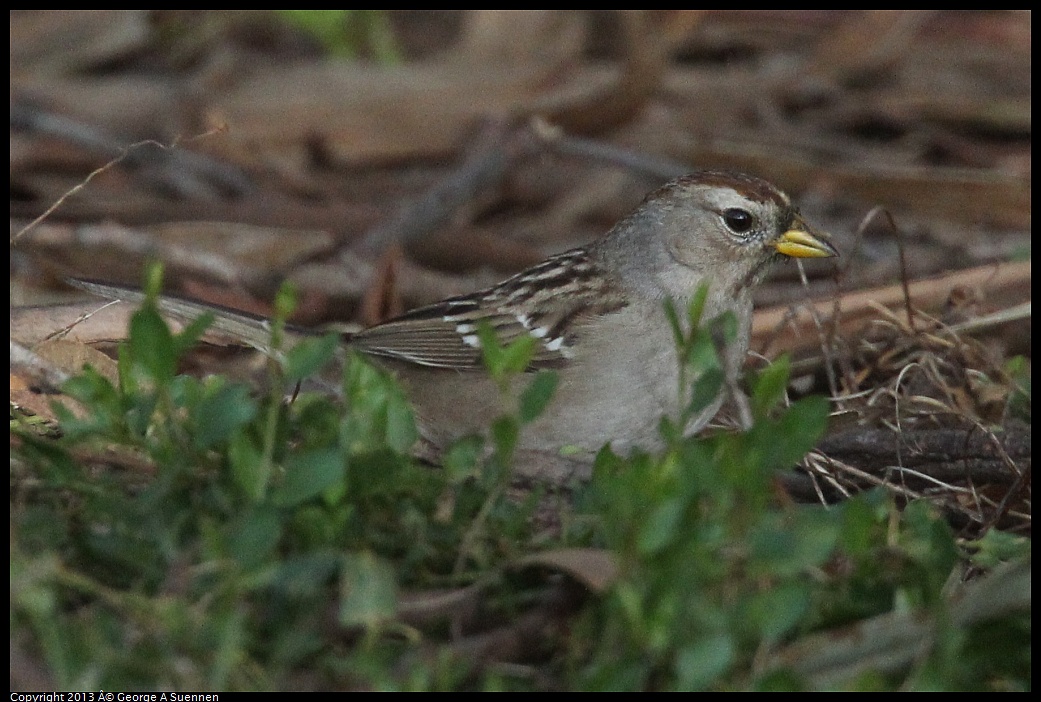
(598, 315)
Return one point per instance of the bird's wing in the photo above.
(549, 302)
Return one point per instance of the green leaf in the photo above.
(518, 354)
(229, 630)
(929, 541)
(460, 461)
(698, 665)
(860, 523)
(221, 413)
(723, 330)
(401, 432)
(95, 391)
(537, 395)
(706, 391)
(491, 349)
(368, 590)
(307, 475)
(246, 466)
(153, 283)
(696, 308)
(688, 331)
(660, 529)
(792, 542)
(701, 353)
(307, 574)
(140, 408)
(996, 547)
(503, 361)
(191, 333)
(286, 300)
(308, 356)
(778, 610)
(255, 536)
(1018, 404)
(505, 431)
(151, 346)
(379, 412)
(678, 335)
(799, 430)
(91, 388)
(769, 386)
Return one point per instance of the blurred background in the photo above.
(380, 160)
(385, 159)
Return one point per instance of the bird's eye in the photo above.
(739, 221)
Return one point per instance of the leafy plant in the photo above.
(187, 533)
(238, 523)
(718, 573)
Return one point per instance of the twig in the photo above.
(124, 154)
(495, 148)
(557, 141)
(1007, 283)
(80, 320)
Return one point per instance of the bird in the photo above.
(598, 316)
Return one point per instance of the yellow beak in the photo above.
(801, 242)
